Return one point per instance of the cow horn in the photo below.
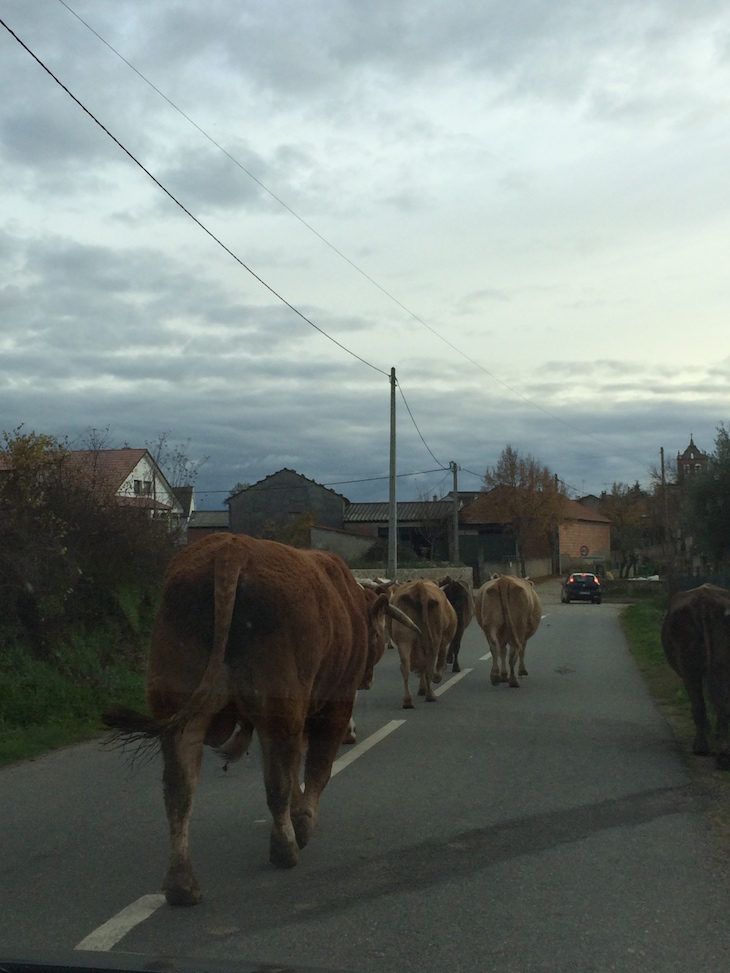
(402, 617)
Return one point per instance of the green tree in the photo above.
(707, 508)
(526, 496)
(626, 508)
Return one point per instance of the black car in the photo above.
(581, 586)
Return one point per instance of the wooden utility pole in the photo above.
(393, 505)
(455, 522)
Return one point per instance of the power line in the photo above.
(417, 429)
(186, 210)
(206, 230)
(366, 479)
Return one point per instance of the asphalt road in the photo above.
(553, 827)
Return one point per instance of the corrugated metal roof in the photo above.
(418, 511)
(208, 518)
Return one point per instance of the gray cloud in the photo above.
(538, 181)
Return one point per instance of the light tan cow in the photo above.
(508, 611)
(424, 651)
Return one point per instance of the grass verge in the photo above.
(44, 706)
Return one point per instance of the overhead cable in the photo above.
(187, 211)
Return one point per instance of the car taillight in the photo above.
(596, 580)
(571, 579)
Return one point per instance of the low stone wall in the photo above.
(413, 574)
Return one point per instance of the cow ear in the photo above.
(380, 604)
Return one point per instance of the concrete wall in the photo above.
(414, 574)
(350, 547)
(535, 568)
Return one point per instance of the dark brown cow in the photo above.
(462, 601)
(508, 611)
(254, 635)
(424, 651)
(696, 641)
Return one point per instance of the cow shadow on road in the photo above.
(428, 865)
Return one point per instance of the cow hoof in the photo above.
(181, 887)
(722, 761)
(282, 853)
(524, 672)
(432, 698)
(437, 676)
(456, 667)
(495, 678)
(303, 827)
(408, 704)
(178, 897)
(513, 684)
(421, 691)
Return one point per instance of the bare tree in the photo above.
(526, 496)
(173, 458)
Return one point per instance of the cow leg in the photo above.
(281, 747)
(523, 671)
(513, 656)
(693, 681)
(350, 733)
(182, 752)
(723, 744)
(405, 668)
(324, 733)
(494, 675)
(453, 654)
(424, 685)
(440, 667)
(719, 694)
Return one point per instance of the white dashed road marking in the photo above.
(452, 681)
(111, 932)
(367, 743)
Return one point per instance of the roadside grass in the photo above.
(642, 625)
(46, 705)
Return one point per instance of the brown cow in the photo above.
(422, 651)
(462, 601)
(696, 640)
(254, 635)
(508, 610)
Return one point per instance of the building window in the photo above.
(138, 488)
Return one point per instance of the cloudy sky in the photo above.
(520, 205)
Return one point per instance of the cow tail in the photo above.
(508, 615)
(426, 619)
(226, 572)
(132, 731)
